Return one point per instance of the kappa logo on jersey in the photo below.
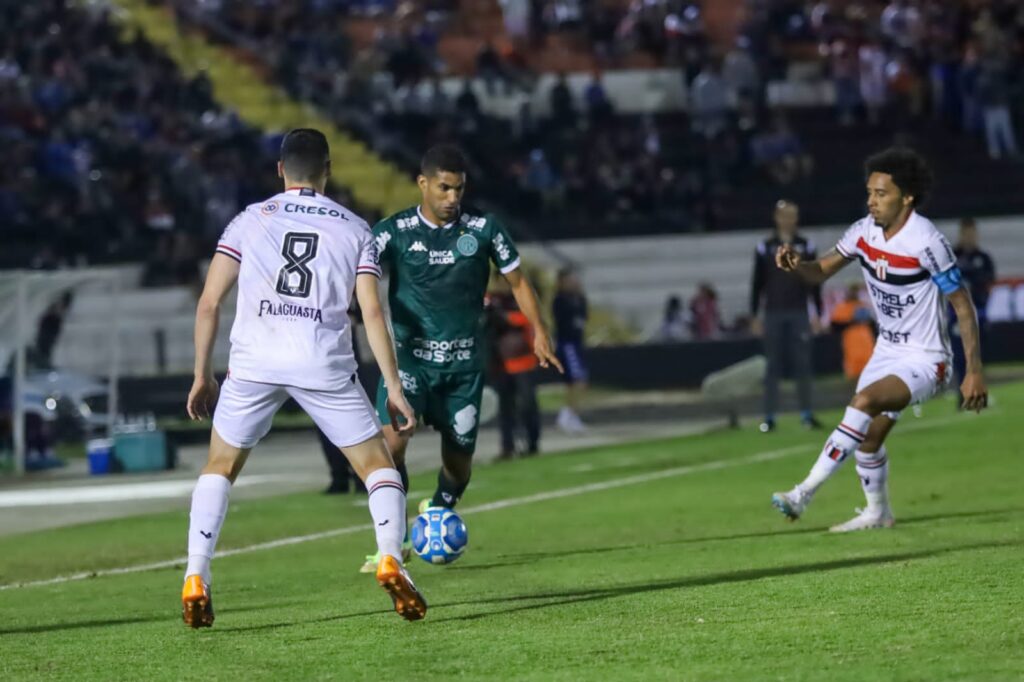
(467, 245)
(295, 278)
(418, 246)
(269, 208)
(443, 257)
(407, 223)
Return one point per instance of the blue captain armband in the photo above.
(948, 281)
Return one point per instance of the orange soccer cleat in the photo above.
(196, 603)
(391, 575)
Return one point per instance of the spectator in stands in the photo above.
(843, 69)
(872, 60)
(673, 323)
(709, 101)
(541, 179)
(599, 107)
(852, 319)
(979, 274)
(48, 332)
(570, 313)
(705, 320)
(490, 69)
(786, 329)
(993, 88)
(740, 71)
(780, 153)
(563, 108)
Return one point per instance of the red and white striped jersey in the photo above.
(300, 253)
(899, 272)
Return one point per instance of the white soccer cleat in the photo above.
(867, 519)
(792, 504)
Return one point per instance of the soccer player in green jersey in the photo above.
(439, 255)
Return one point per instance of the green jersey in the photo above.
(437, 284)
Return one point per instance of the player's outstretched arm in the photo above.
(384, 351)
(526, 299)
(813, 272)
(973, 388)
(221, 276)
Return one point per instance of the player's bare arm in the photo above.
(812, 272)
(526, 299)
(973, 388)
(220, 278)
(384, 352)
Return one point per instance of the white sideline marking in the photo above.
(490, 506)
(115, 492)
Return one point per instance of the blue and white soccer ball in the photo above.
(439, 535)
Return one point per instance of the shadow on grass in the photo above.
(563, 598)
(532, 557)
(170, 617)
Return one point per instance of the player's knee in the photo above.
(228, 468)
(865, 402)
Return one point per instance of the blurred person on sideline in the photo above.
(570, 314)
(853, 321)
(787, 327)
(979, 272)
(513, 374)
(705, 319)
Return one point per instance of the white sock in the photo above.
(209, 506)
(873, 470)
(845, 439)
(387, 507)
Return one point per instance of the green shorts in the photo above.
(448, 401)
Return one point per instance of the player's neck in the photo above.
(426, 213)
(895, 226)
(317, 187)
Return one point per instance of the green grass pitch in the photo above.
(681, 572)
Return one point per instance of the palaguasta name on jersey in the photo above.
(450, 350)
(290, 310)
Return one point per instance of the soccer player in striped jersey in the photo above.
(908, 267)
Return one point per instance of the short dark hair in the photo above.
(443, 158)
(305, 154)
(909, 170)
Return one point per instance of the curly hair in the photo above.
(908, 169)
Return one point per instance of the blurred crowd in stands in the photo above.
(114, 154)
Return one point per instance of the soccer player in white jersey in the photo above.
(908, 267)
(297, 257)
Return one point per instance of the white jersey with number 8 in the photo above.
(300, 254)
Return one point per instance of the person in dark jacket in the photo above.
(787, 326)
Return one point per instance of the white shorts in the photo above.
(246, 409)
(925, 377)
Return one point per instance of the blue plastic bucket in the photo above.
(100, 452)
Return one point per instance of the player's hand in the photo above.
(403, 417)
(974, 392)
(542, 349)
(202, 398)
(787, 258)
(757, 327)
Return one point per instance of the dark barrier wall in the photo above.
(650, 366)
